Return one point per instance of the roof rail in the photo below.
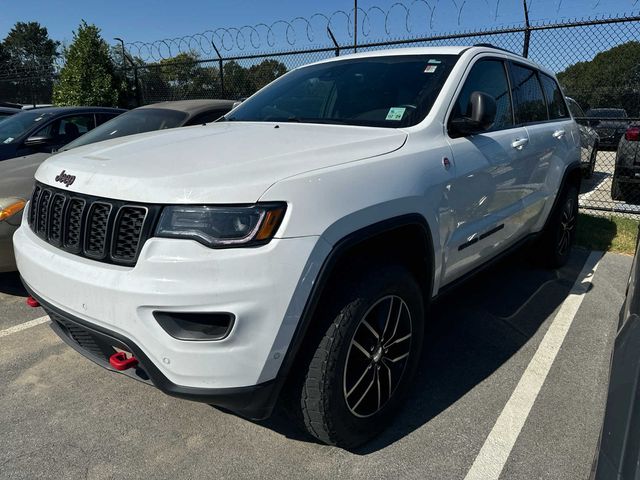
(489, 45)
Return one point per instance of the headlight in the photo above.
(222, 226)
(10, 206)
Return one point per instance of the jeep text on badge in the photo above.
(65, 178)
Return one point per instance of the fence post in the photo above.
(124, 54)
(527, 30)
(221, 68)
(333, 39)
(136, 85)
(125, 59)
(355, 26)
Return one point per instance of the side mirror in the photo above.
(38, 141)
(483, 115)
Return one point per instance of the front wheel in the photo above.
(560, 231)
(365, 357)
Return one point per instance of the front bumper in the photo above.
(630, 174)
(97, 344)
(258, 285)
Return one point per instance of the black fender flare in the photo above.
(329, 265)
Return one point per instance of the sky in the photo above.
(148, 20)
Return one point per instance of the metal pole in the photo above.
(355, 26)
(221, 68)
(136, 85)
(124, 54)
(124, 70)
(333, 39)
(527, 31)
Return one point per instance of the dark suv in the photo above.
(610, 124)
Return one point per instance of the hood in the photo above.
(16, 175)
(222, 162)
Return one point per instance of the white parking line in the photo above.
(24, 326)
(497, 447)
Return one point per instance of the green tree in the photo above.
(266, 72)
(27, 56)
(185, 77)
(611, 79)
(88, 76)
(241, 82)
(236, 81)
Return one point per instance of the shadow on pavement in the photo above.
(10, 284)
(473, 330)
(590, 184)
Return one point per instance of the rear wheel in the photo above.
(559, 235)
(364, 357)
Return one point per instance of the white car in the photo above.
(293, 248)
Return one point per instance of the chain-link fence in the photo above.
(27, 86)
(597, 62)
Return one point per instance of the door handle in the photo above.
(519, 143)
(558, 134)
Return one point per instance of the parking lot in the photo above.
(64, 417)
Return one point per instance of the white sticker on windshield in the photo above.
(395, 113)
(8, 140)
(430, 68)
(38, 119)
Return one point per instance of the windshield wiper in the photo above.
(327, 121)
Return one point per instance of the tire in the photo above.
(559, 234)
(338, 405)
(619, 191)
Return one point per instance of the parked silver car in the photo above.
(589, 139)
(16, 175)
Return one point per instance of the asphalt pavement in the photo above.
(62, 416)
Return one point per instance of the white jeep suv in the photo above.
(293, 247)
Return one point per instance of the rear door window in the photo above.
(555, 99)
(528, 97)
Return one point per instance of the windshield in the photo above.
(387, 91)
(607, 113)
(136, 121)
(14, 127)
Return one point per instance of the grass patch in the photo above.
(608, 234)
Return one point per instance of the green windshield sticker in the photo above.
(395, 113)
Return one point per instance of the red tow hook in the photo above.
(120, 361)
(32, 302)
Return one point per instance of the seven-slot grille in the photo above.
(107, 230)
